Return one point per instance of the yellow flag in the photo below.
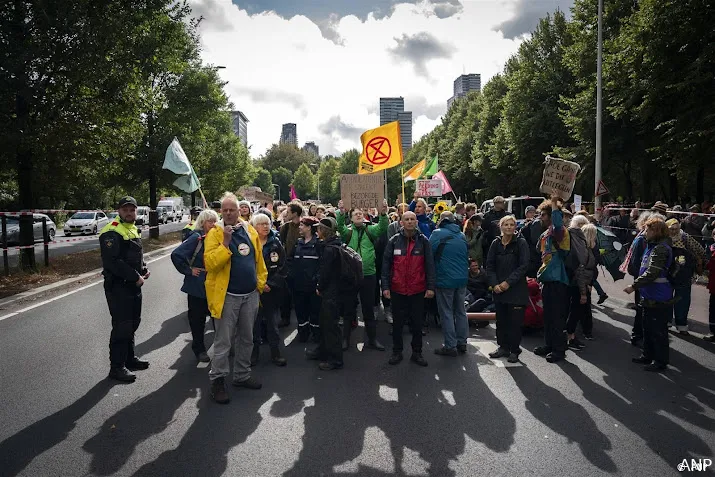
(415, 172)
(381, 148)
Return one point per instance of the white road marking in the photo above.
(487, 346)
(50, 300)
(289, 339)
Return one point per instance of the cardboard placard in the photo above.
(559, 177)
(362, 190)
(577, 202)
(429, 187)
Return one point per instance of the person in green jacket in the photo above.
(475, 238)
(361, 237)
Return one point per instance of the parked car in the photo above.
(163, 215)
(85, 223)
(142, 216)
(13, 228)
(112, 215)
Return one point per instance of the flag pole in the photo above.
(206, 204)
(402, 172)
(455, 196)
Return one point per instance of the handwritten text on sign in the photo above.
(362, 190)
(559, 177)
(429, 187)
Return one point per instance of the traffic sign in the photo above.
(601, 189)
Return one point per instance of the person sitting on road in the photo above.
(235, 276)
(275, 258)
(188, 259)
(507, 263)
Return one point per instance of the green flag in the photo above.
(432, 167)
(176, 161)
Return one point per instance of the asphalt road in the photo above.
(86, 242)
(595, 414)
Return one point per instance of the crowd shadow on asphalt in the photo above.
(17, 451)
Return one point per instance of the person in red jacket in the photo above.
(711, 287)
(408, 277)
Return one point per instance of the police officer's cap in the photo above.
(216, 204)
(127, 200)
(196, 210)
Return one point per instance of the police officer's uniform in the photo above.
(123, 265)
(189, 228)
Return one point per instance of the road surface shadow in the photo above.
(17, 451)
(171, 328)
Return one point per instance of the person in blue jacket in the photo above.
(424, 222)
(451, 257)
(188, 258)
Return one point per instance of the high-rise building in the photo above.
(289, 134)
(240, 126)
(463, 85)
(312, 148)
(393, 109)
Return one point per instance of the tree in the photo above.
(283, 177)
(264, 180)
(349, 161)
(285, 155)
(329, 177)
(304, 182)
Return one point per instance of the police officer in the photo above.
(189, 228)
(124, 273)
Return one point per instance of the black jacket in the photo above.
(329, 277)
(509, 264)
(531, 233)
(491, 227)
(305, 265)
(478, 285)
(122, 260)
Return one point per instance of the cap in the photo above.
(127, 200)
(478, 217)
(309, 221)
(660, 207)
(216, 204)
(329, 222)
(530, 208)
(671, 222)
(196, 210)
(244, 202)
(695, 208)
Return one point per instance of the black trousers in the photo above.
(125, 307)
(655, 333)
(330, 348)
(712, 314)
(307, 311)
(286, 305)
(510, 319)
(555, 296)
(407, 309)
(579, 313)
(198, 311)
(367, 302)
(267, 319)
(637, 331)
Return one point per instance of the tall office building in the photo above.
(393, 109)
(463, 85)
(289, 134)
(240, 126)
(312, 148)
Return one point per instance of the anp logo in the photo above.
(695, 464)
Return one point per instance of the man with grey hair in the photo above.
(235, 276)
(451, 258)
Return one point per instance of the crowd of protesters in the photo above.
(250, 267)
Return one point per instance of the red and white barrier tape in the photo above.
(55, 211)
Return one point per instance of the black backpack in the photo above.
(350, 266)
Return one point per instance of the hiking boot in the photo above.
(513, 358)
(641, 360)
(203, 357)
(542, 350)
(444, 351)
(277, 359)
(554, 357)
(396, 358)
(250, 383)
(374, 344)
(499, 353)
(122, 374)
(328, 366)
(601, 299)
(255, 355)
(137, 364)
(461, 348)
(218, 391)
(418, 359)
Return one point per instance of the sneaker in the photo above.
(388, 316)
(641, 360)
(418, 359)
(513, 358)
(444, 351)
(250, 383)
(137, 365)
(576, 345)
(462, 349)
(122, 374)
(203, 357)
(499, 353)
(602, 298)
(328, 366)
(542, 350)
(554, 357)
(396, 358)
(218, 391)
(710, 338)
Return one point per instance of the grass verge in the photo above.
(68, 266)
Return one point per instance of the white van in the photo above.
(173, 212)
(514, 205)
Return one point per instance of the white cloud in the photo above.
(282, 71)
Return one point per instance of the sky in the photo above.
(324, 64)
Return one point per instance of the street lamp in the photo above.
(279, 190)
(599, 105)
(317, 177)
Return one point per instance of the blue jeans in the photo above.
(450, 304)
(682, 307)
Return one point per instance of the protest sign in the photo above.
(559, 177)
(429, 187)
(577, 202)
(362, 190)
